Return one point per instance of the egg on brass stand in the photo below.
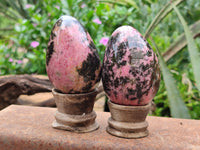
(131, 78)
(74, 68)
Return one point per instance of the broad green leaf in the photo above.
(181, 42)
(163, 12)
(192, 48)
(178, 108)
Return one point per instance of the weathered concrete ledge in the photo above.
(26, 128)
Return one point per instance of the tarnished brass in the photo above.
(128, 121)
(75, 111)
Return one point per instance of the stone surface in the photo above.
(26, 127)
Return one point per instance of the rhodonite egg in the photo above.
(130, 74)
(72, 61)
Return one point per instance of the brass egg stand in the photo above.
(75, 112)
(128, 121)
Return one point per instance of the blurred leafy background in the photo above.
(25, 27)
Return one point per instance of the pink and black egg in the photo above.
(131, 73)
(72, 61)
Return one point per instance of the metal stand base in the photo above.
(128, 121)
(75, 112)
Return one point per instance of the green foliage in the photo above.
(8, 65)
(192, 48)
(162, 14)
(43, 17)
(37, 28)
(177, 105)
(15, 9)
(181, 41)
(32, 20)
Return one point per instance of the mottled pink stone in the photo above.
(72, 62)
(131, 73)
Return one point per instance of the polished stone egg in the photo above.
(131, 73)
(72, 62)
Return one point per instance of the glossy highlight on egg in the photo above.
(72, 62)
(131, 73)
